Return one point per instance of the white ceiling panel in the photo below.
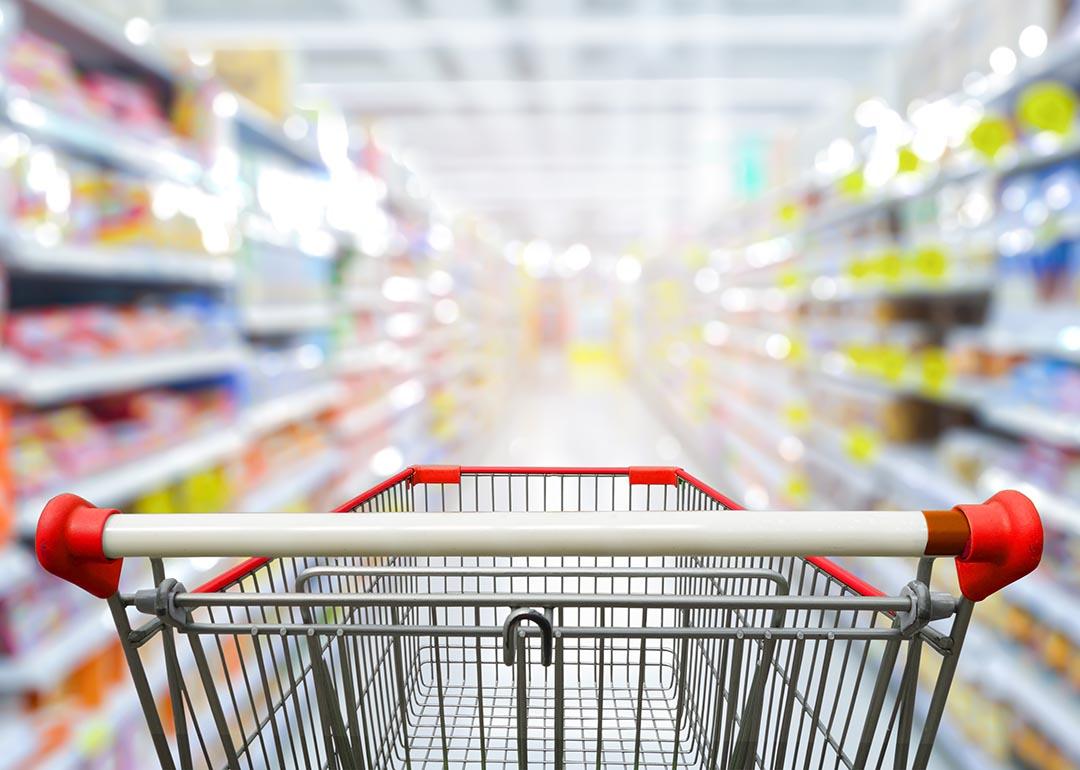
(570, 119)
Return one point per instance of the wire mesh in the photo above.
(658, 662)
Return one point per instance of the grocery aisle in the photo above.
(558, 414)
(821, 257)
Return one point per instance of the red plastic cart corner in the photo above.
(1005, 544)
(69, 545)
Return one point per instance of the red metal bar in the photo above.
(515, 470)
(641, 475)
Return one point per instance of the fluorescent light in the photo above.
(1033, 41)
(869, 112)
(1002, 60)
(201, 57)
(138, 30)
(387, 461)
(226, 105)
(295, 127)
(628, 268)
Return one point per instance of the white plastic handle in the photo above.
(613, 533)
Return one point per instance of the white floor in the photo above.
(559, 415)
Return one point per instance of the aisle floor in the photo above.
(559, 415)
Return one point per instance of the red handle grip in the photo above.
(68, 545)
(1006, 543)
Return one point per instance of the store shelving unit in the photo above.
(50, 384)
(831, 385)
(125, 482)
(314, 373)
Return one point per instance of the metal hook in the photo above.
(542, 621)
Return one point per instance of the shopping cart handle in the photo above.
(995, 543)
(69, 544)
(1005, 543)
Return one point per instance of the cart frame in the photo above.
(361, 662)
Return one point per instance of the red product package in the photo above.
(129, 102)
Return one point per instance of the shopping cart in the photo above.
(556, 617)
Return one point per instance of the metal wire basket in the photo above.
(558, 617)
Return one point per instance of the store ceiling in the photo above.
(605, 121)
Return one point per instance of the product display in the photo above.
(216, 351)
(54, 446)
(259, 260)
(897, 339)
(98, 333)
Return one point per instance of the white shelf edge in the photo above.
(49, 384)
(119, 484)
(131, 262)
(291, 407)
(271, 318)
(93, 135)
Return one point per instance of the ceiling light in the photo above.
(226, 105)
(778, 347)
(387, 461)
(138, 30)
(716, 333)
(1033, 41)
(201, 58)
(440, 283)
(577, 257)
(537, 257)
(446, 311)
(707, 280)
(841, 154)
(295, 127)
(628, 268)
(869, 112)
(1002, 60)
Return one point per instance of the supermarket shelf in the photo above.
(20, 741)
(967, 393)
(102, 139)
(292, 485)
(1014, 338)
(1059, 511)
(364, 298)
(118, 485)
(1063, 53)
(15, 565)
(49, 661)
(54, 383)
(292, 407)
(363, 418)
(258, 128)
(282, 319)
(918, 479)
(1038, 694)
(106, 33)
(125, 263)
(260, 232)
(1047, 600)
(955, 287)
(358, 359)
(1034, 422)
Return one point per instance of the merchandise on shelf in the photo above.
(88, 333)
(50, 448)
(57, 199)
